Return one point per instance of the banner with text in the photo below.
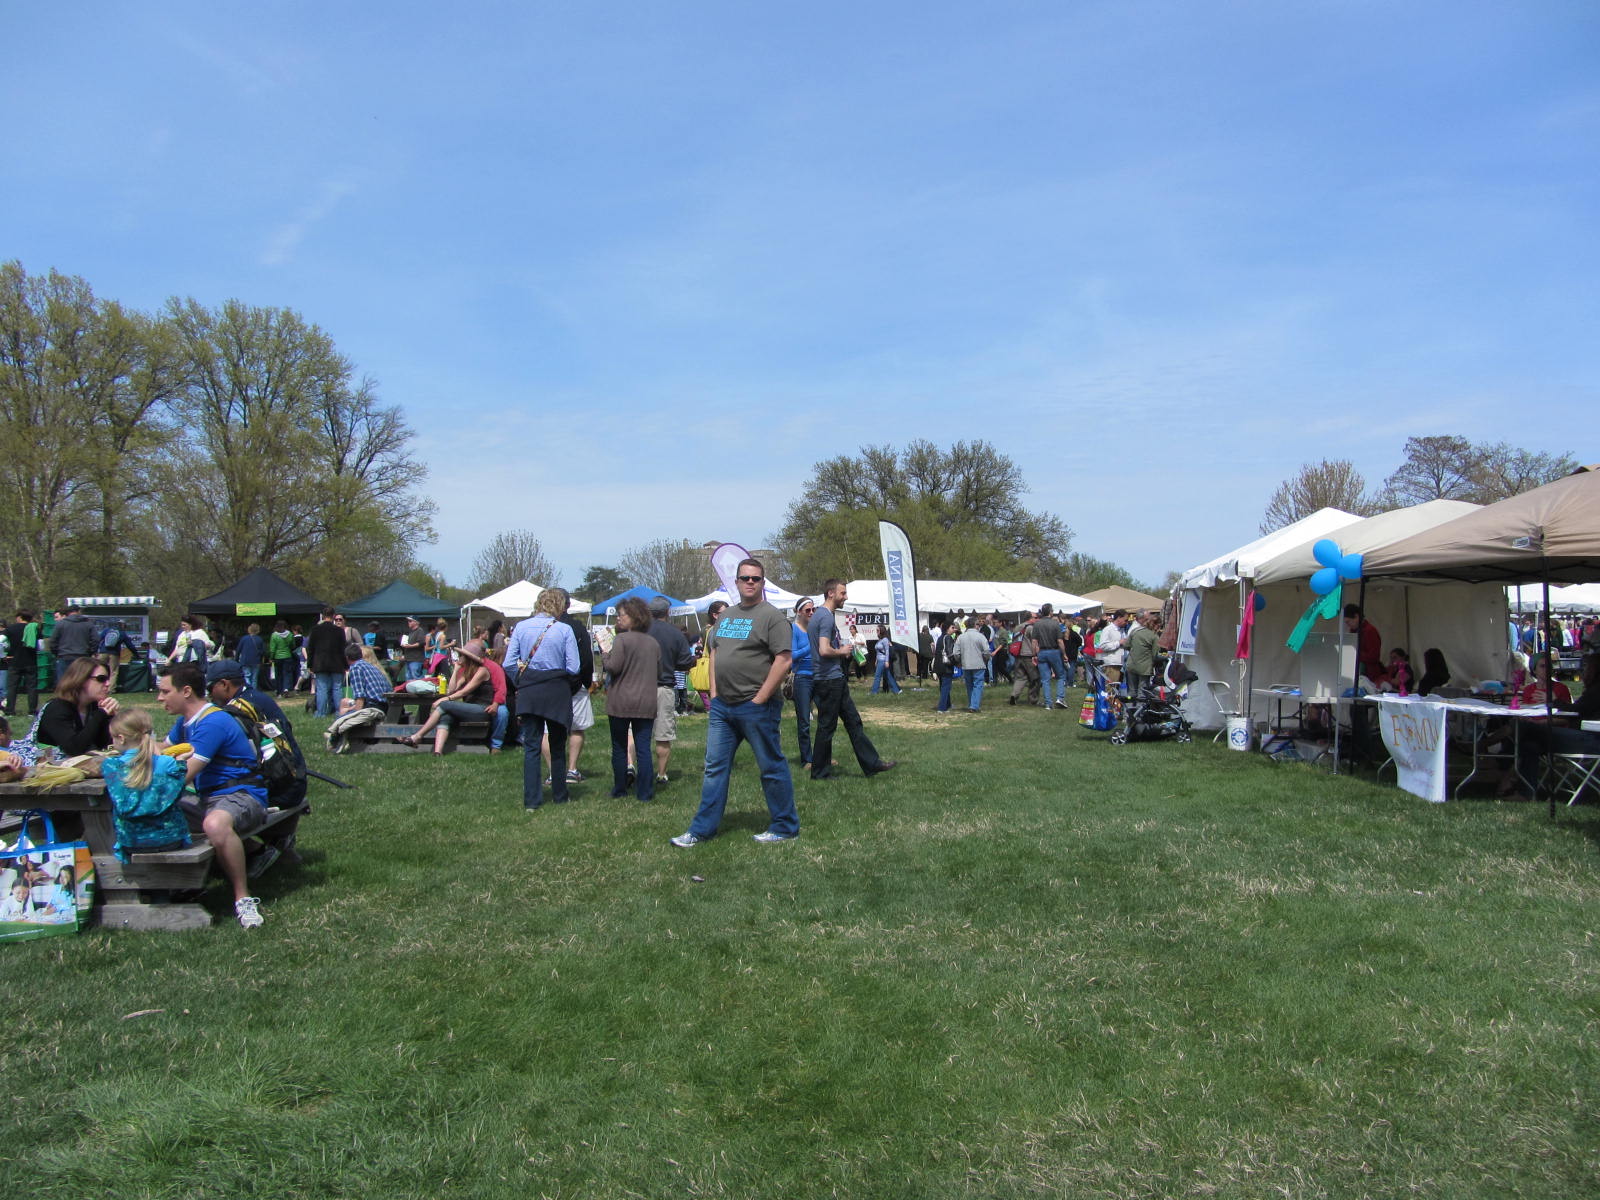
(901, 573)
(1413, 731)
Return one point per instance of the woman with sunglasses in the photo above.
(78, 720)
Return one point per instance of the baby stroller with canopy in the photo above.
(1156, 711)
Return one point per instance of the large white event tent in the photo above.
(514, 602)
(1219, 588)
(973, 596)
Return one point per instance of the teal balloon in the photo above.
(1326, 552)
(1325, 580)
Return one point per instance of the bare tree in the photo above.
(512, 555)
(676, 566)
(1331, 483)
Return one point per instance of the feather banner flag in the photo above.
(901, 574)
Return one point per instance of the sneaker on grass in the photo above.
(770, 836)
(685, 840)
(247, 910)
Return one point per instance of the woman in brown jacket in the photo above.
(632, 667)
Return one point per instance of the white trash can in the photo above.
(1239, 733)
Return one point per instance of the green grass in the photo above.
(1027, 963)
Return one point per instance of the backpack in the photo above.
(150, 817)
(274, 764)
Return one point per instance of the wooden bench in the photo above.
(134, 894)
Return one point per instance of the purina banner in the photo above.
(900, 571)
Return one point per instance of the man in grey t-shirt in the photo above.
(750, 648)
(830, 650)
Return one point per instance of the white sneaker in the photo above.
(248, 912)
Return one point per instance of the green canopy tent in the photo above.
(396, 601)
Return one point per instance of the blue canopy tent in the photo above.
(605, 610)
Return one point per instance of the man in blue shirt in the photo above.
(233, 804)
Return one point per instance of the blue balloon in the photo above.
(1350, 566)
(1324, 581)
(1260, 601)
(1326, 552)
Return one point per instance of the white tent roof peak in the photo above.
(1243, 562)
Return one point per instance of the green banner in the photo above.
(267, 609)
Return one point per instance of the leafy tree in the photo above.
(1447, 467)
(1331, 483)
(83, 385)
(676, 566)
(601, 582)
(962, 509)
(510, 556)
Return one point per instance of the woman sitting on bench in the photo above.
(477, 689)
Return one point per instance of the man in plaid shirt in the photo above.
(368, 684)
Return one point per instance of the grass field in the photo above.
(1027, 963)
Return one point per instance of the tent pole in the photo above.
(1549, 699)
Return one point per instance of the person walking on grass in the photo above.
(830, 651)
(750, 653)
(972, 652)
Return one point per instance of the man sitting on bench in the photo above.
(477, 690)
(233, 804)
(227, 687)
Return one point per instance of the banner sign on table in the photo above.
(1413, 731)
(262, 609)
(901, 574)
(1189, 621)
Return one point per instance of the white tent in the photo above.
(973, 596)
(1221, 585)
(774, 595)
(1575, 597)
(514, 603)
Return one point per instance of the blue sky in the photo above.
(632, 268)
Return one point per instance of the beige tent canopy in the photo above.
(1112, 598)
(1552, 532)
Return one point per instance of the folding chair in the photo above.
(1575, 772)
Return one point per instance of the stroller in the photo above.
(1157, 711)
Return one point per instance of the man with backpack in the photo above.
(221, 767)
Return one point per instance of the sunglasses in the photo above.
(750, 578)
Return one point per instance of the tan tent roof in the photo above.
(1364, 537)
(1117, 596)
(1551, 531)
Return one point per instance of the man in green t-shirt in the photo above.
(750, 649)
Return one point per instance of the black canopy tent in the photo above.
(256, 591)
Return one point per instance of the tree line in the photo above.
(1438, 467)
(189, 446)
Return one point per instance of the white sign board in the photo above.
(1413, 730)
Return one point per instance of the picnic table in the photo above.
(469, 737)
(136, 894)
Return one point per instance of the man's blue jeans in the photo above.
(884, 673)
(330, 690)
(974, 681)
(1052, 669)
(758, 724)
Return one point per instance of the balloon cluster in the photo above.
(1336, 565)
